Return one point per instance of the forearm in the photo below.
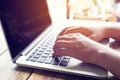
(108, 59)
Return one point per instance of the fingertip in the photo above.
(93, 37)
(63, 31)
(96, 37)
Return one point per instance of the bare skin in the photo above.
(96, 33)
(84, 41)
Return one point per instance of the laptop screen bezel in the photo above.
(7, 33)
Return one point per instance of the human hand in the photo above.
(76, 45)
(96, 33)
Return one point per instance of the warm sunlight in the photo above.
(57, 9)
(81, 9)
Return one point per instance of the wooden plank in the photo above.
(10, 71)
(47, 75)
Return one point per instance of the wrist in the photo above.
(99, 56)
(104, 57)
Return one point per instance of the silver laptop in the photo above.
(30, 37)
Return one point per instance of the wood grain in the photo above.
(10, 71)
(47, 75)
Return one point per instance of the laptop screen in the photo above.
(23, 21)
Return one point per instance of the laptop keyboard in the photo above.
(43, 54)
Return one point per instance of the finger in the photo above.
(93, 37)
(62, 47)
(65, 37)
(82, 30)
(72, 30)
(63, 31)
(62, 44)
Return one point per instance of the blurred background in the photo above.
(83, 9)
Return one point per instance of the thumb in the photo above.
(96, 37)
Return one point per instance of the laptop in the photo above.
(30, 37)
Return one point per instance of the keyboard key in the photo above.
(49, 60)
(29, 58)
(63, 63)
(41, 59)
(37, 55)
(36, 50)
(46, 45)
(32, 55)
(57, 60)
(45, 55)
(50, 55)
(66, 59)
(34, 59)
(49, 50)
(41, 51)
(43, 48)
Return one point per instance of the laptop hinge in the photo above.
(14, 60)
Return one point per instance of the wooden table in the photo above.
(10, 71)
